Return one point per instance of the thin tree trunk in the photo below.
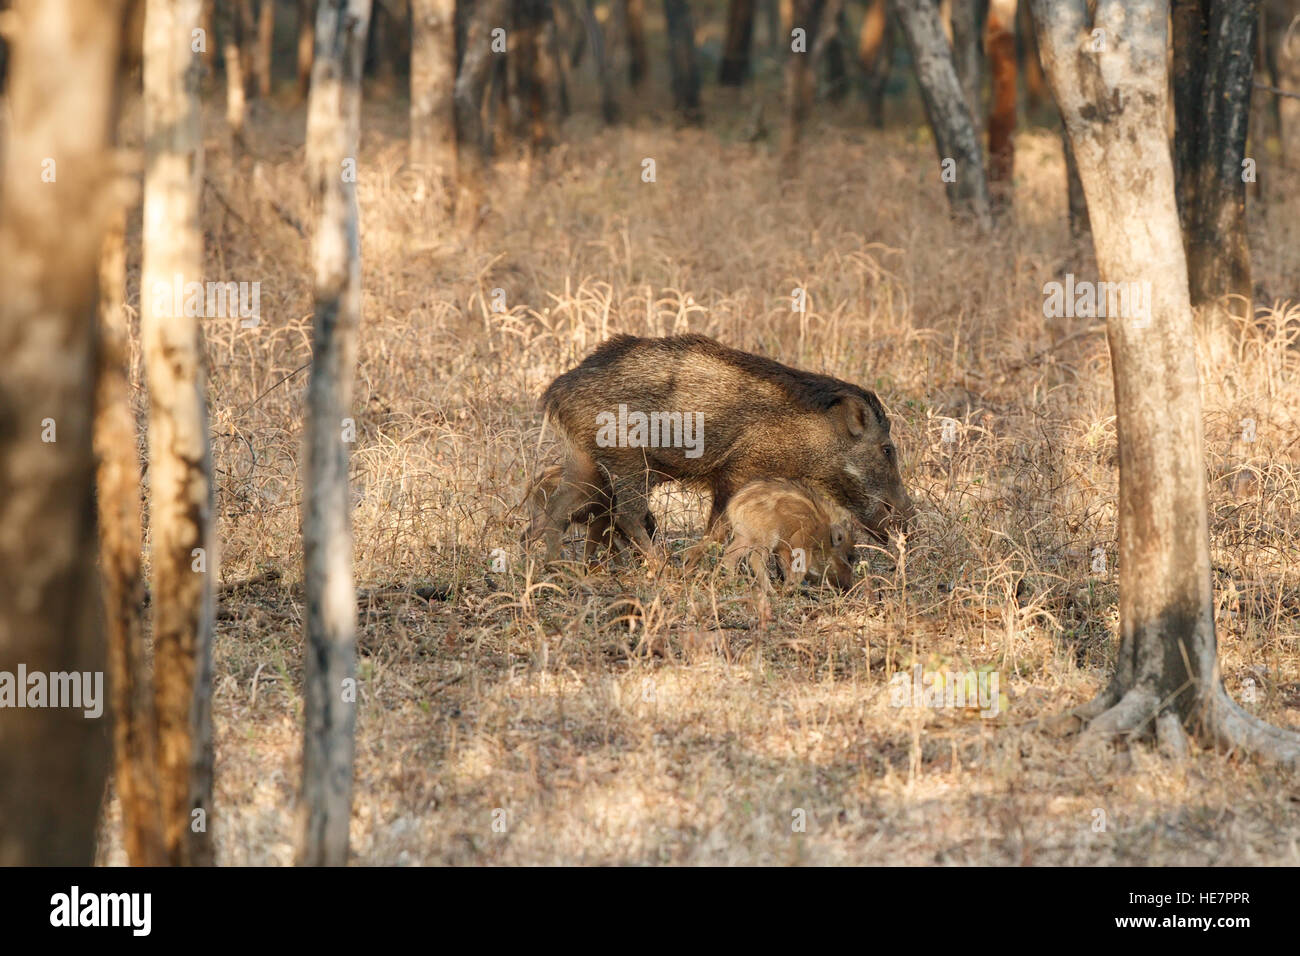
(1031, 68)
(734, 69)
(62, 105)
(634, 25)
(1287, 58)
(836, 57)
(247, 45)
(471, 83)
(600, 53)
(306, 44)
(232, 42)
(1190, 22)
(135, 742)
(876, 57)
(433, 78)
(333, 133)
(950, 119)
(682, 60)
(184, 558)
(265, 41)
(1000, 42)
(805, 16)
(1114, 102)
(968, 57)
(1219, 259)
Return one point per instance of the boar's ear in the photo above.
(854, 415)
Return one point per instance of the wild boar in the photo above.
(594, 508)
(810, 535)
(648, 410)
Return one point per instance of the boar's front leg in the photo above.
(630, 512)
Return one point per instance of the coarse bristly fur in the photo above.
(759, 419)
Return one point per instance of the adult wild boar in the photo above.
(689, 409)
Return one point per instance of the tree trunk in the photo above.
(1114, 102)
(682, 61)
(1219, 251)
(805, 15)
(1190, 22)
(837, 70)
(600, 53)
(634, 26)
(306, 44)
(1031, 68)
(62, 107)
(333, 128)
(433, 77)
(135, 742)
(184, 558)
(825, 50)
(471, 83)
(247, 45)
(265, 42)
(1000, 42)
(232, 42)
(1287, 58)
(968, 57)
(950, 119)
(735, 49)
(1078, 205)
(876, 57)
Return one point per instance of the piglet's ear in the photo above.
(854, 416)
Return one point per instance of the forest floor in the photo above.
(511, 717)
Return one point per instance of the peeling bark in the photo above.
(183, 548)
(135, 745)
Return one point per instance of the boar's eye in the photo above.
(889, 452)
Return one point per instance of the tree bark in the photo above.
(135, 743)
(968, 57)
(1000, 41)
(682, 60)
(1219, 251)
(333, 133)
(265, 41)
(62, 103)
(805, 15)
(184, 556)
(1287, 57)
(600, 53)
(232, 43)
(876, 57)
(734, 69)
(433, 78)
(306, 44)
(1114, 102)
(634, 27)
(471, 83)
(950, 119)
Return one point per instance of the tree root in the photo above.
(1235, 729)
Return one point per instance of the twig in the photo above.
(1277, 92)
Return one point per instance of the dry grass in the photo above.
(616, 718)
